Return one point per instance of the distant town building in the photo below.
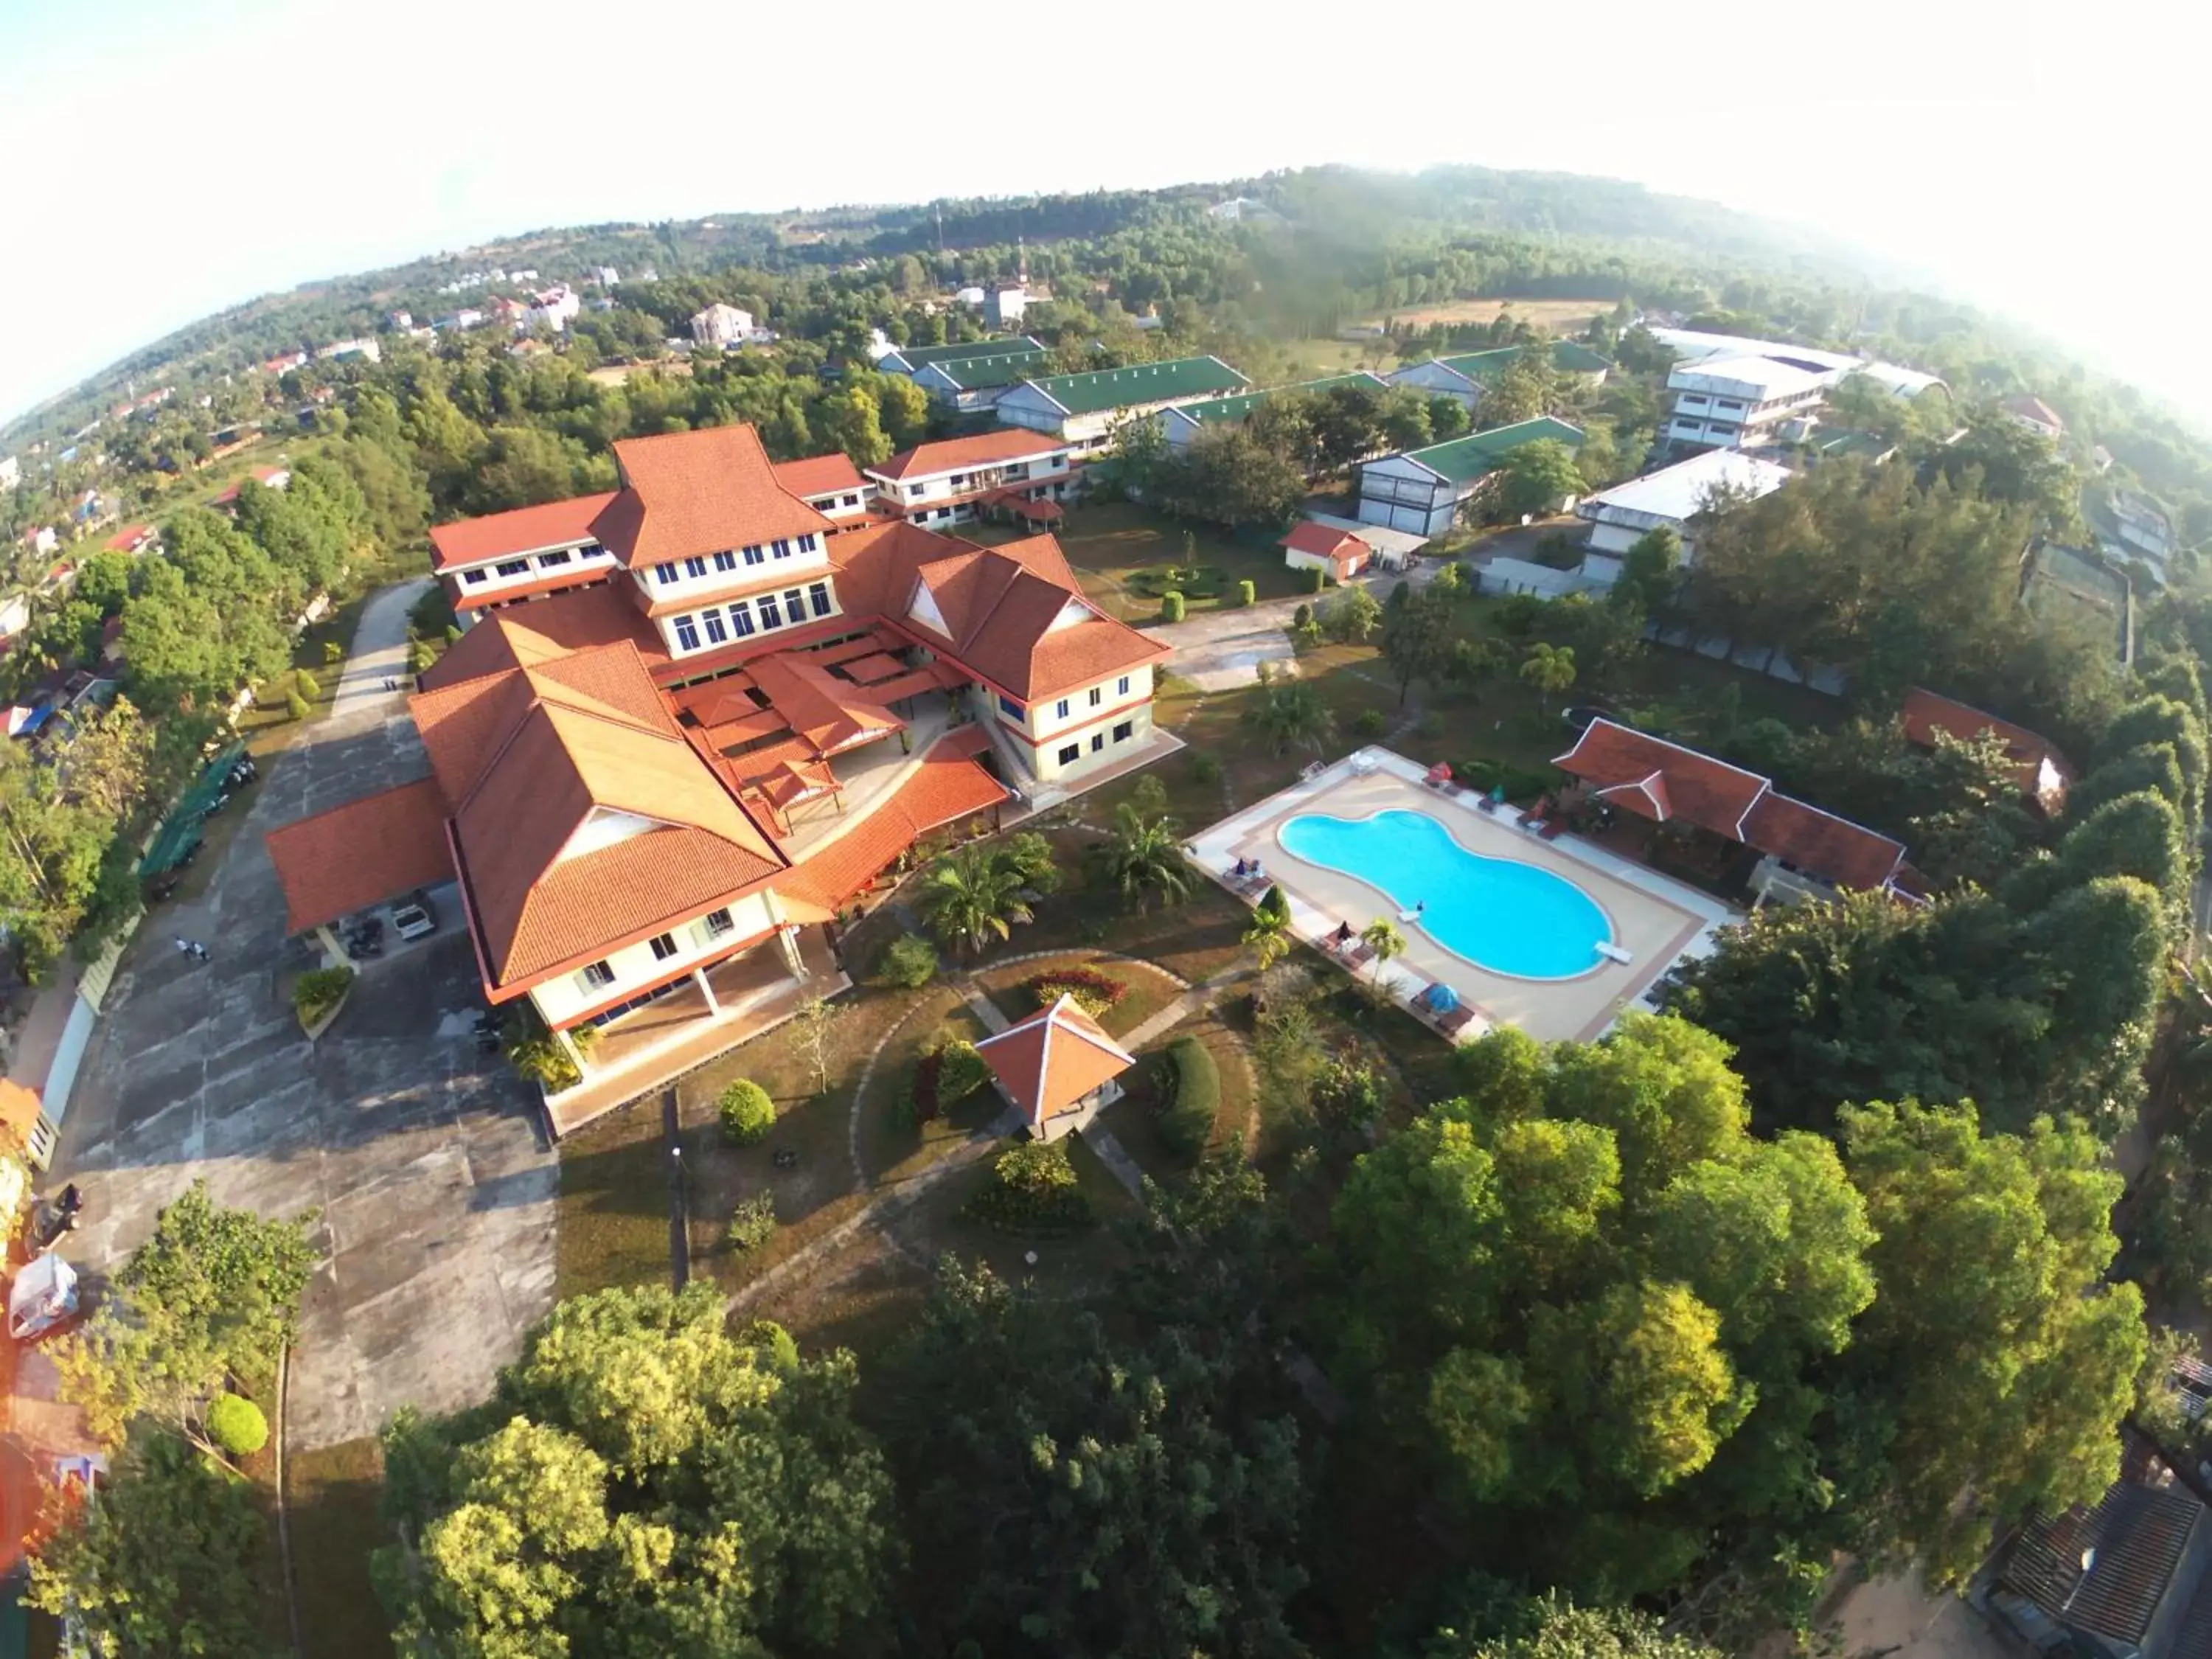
(1003, 306)
(2034, 414)
(605, 276)
(11, 471)
(401, 322)
(339, 351)
(284, 363)
(722, 326)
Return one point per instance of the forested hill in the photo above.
(1338, 231)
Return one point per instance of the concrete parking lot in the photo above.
(424, 1158)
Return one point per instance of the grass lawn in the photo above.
(1313, 359)
(1071, 1264)
(613, 1223)
(816, 1191)
(334, 1527)
(892, 1149)
(1148, 990)
(1120, 551)
(1133, 1118)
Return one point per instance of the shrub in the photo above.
(1033, 1189)
(421, 657)
(296, 706)
(1246, 593)
(1431, 725)
(1094, 992)
(1172, 607)
(235, 1424)
(1316, 576)
(943, 1078)
(1302, 619)
(333, 652)
(320, 990)
(1520, 784)
(1191, 1093)
(910, 962)
(306, 684)
(1204, 769)
(752, 1224)
(746, 1112)
(1348, 1094)
(1369, 723)
(453, 634)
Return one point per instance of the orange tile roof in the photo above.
(832, 714)
(951, 454)
(21, 1108)
(1001, 605)
(819, 475)
(465, 726)
(360, 853)
(699, 492)
(524, 529)
(1694, 787)
(1926, 714)
(525, 635)
(1049, 1061)
(467, 598)
(1326, 542)
(946, 787)
(1843, 852)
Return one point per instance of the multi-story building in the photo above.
(1184, 422)
(831, 485)
(958, 479)
(971, 377)
(1421, 490)
(1734, 402)
(2026, 410)
(1467, 374)
(11, 471)
(1085, 409)
(656, 786)
(722, 326)
(1667, 499)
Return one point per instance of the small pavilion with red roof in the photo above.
(1058, 1067)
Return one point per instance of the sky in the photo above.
(161, 160)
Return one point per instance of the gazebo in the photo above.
(1058, 1067)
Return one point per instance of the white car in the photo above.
(414, 919)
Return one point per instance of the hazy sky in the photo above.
(162, 159)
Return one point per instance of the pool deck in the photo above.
(1656, 919)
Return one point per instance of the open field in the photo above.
(1556, 316)
(1121, 552)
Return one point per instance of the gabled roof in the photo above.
(523, 635)
(1926, 714)
(1808, 838)
(1007, 609)
(819, 475)
(1237, 406)
(1102, 389)
(830, 714)
(1326, 542)
(981, 374)
(524, 529)
(955, 454)
(1049, 1061)
(947, 787)
(920, 354)
(698, 492)
(2029, 408)
(1463, 460)
(362, 853)
(1571, 356)
(1680, 492)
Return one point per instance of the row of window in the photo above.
(716, 924)
(1098, 696)
(1070, 753)
(691, 568)
(521, 567)
(717, 624)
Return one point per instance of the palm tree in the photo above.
(1382, 937)
(1549, 668)
(973, 894)
(1142, 855)
(1269, 935)
(1290, 715)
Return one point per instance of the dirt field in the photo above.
(1555, 316)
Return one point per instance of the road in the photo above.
(379, 653)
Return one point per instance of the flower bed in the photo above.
(1094, 992)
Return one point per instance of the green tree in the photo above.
(1559, 1630)
(973, 894)
(1534, 478)
(1141, 858)
(1417, 636)
(855, 426)
(1382, 937)
(1354, 617)
(1650, 570)
(1290, 715)
(1549, 670)
(1268, 935)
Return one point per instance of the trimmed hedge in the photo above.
(1033, 1189)
(1248, 593)
(746, 1112)
(1172, 607)
(1094, 992)
(910, 962)
(1316, 577)
(235, 1424)
(1190, 1096)
(943, 1078)
(319, 990)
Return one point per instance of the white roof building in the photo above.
(1691, 345)
(1668, 499)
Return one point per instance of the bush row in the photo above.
(1520, 784)
(1189, 1093)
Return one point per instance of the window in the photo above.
(1122, 731)
(1059, 709)
(514, 567)
(719, 923)
(725, 560)
(819, 593)
(597, 975)
(1097, 695)
(741, 618)
(663, 947)
(716, 633)
(794, 606)
(687, 633)
(664, 574)
(754, 556)
(1097, 741)
(957, 480)
(1122, 688)
(1072, 754)
(914, 492)
(807, 544)
(769, 616)
(552, 561)
(782, 545)
(590, 550)
(848, 500)
(1009, 707)
(474, 576)
(695, 566)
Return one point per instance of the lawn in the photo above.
(1553, 316)
(1133, 1118)
(1071, 1264)
(893, 1148)
(1122, 551)
(333, 1505)
(1146, 990)
(611, 1225)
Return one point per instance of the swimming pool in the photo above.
(1500, 914)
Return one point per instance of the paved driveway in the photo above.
(424, 1158)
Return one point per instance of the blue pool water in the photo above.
(1499, 914)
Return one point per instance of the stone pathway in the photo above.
(379, 652)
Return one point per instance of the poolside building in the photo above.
(2044, 773)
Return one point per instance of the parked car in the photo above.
(415, 918)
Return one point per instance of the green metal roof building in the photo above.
(1464, 375)
(1419, 490)
(905, 360)
(1184, 421)
(1082, 408)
